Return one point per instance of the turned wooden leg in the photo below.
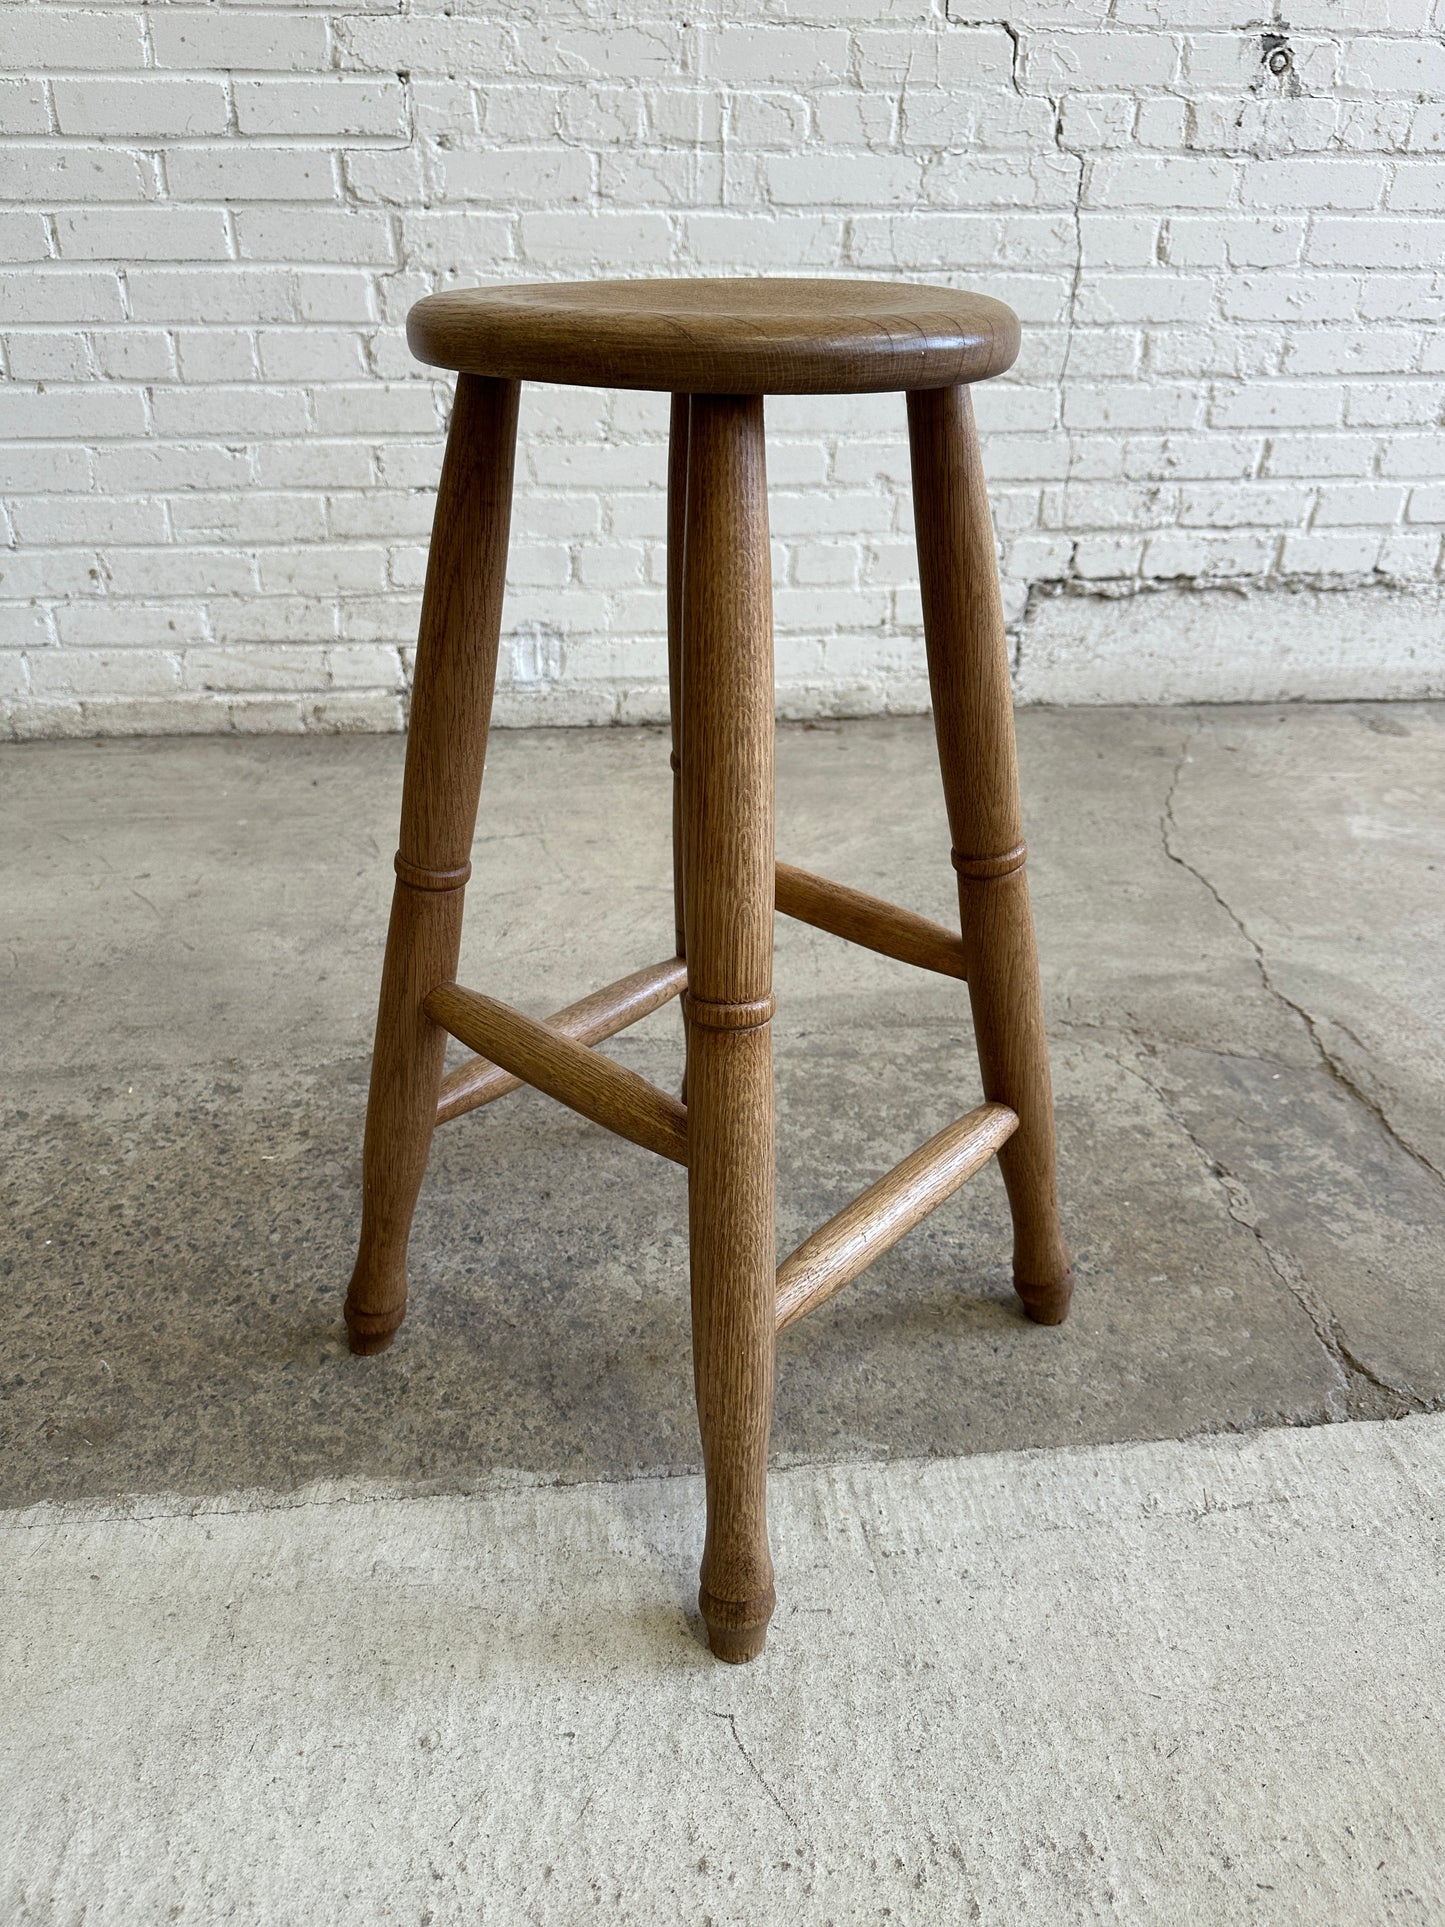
(456, 669)
(973, 715)
(727, 788)
(676, 549)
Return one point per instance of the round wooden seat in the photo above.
(719, 337)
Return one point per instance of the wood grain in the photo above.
(602, 1014)
(581, 1078)
(452, 700)
(717, 347)
(863, 1230)
(677, 440)
(753, 335)
(973, 717)
(728, 810)
(870, 921)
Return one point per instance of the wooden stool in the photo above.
(717, 347)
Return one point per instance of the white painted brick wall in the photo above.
(1218, 467)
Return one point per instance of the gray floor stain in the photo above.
(1236, 912)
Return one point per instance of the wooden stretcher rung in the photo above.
(608, 1093)
(863, 1230)
(859, 918)
(607, 1011)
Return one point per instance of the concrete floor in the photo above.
(1191, 1684)
(1241, 915)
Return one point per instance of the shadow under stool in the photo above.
(717, 347)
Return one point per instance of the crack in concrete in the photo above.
(1336, 1070)
(732, 1721)
(1120, 1027)
(1341, 1076)
(1327, 1327)
(1354, 1372)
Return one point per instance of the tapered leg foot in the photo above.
(369, 1332)
(737, 1631)
(973, 715)
(1046, 1304)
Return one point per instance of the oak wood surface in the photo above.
(834, 1254)
(870, 921)
(575, 1075)
(718, 346)
(446, 744)
(602, 1014)
(676, 570)
(747, 335)
(728, 810)
(973, 718)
